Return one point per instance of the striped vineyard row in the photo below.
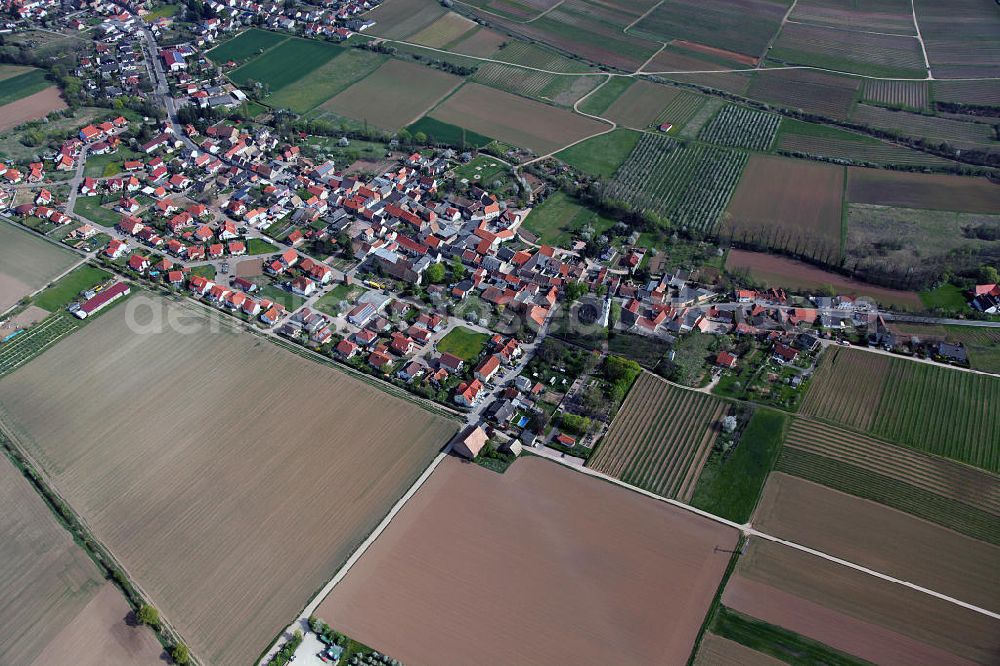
(661, 438)
(932, 408)
(940, 476)
(740, 127)
(900, 495)
(688, 185)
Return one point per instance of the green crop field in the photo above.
(245, 45)
(22, 85)
(804, 138)
(463, 343)
(730, 485)
(438, 132)
(559, 218)
(601, 99)
(951, 494)
(688, 184)
(932, 408)
(346, 67)
(66, 289)
(603, 154)
(740, 127)
(286, 63)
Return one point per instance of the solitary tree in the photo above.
(181, 655)
(148, 615)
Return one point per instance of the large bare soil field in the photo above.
(538, 565)
(48, 587)
(394, 95)
(31, 107)
(230, 478)
(922, 190)
(515, 120)
(862, 615)
(784, 202)
(778, 271)
(880, 538)
(27, 263)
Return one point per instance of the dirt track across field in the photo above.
(856, 613)
(880, 538)
(537, 565)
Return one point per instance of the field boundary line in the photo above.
(475, 8)
(871, 572)
(358, 553)
(731, 70)
(642, 16)
(842, 29)
(920, 39)
(749, 530)
(774, 37)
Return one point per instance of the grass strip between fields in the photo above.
(730, 486)
(780, 643)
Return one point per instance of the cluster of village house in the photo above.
(399, 223)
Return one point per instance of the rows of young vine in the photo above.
(689, 185)
(740, 127)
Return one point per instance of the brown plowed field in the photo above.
(231, 478)
(922, 190)
(815, 92)
(780, 198)
(538, 565)
(103, 634)
(31, 107)
(661, 437)
(792, 274)
(861, 609)
(515, 120)
(718, 651)
(49, 588)
(838, 630)
(880, 538)
(719, 53)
